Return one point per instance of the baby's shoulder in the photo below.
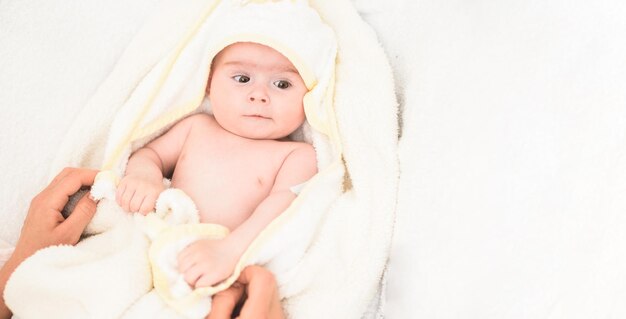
(304, 147)
(295, 146)
(197, 121)
(298, 165)
(301, 152)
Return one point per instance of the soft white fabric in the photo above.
(53, 56)
(116, 261)
(511, 201)
(512, 195)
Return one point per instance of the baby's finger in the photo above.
(193, 274)
(136, 202)
(190, 252)
(185, 260)
(128, 195)
(148, 204)
(119, 193)
(206, 280)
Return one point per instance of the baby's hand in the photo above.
(137, 193)
(206, 262)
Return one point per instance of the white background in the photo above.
(512, 154)
(512, 201)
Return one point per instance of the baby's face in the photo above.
(255, 92)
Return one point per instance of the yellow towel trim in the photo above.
(172, 235)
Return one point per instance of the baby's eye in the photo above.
(282, 84)
(241, 78)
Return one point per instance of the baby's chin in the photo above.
(259, 135)
(260, 130)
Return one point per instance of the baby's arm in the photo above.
(299, 166)
(207, 262)
(143, 179)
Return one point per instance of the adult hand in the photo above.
(256, 287)
(45, 225)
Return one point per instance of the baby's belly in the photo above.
(223, 200)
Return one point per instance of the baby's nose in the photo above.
(258, 98)
(258, 94)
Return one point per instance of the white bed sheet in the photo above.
(53, 56)
(512, 195)
(514, 129)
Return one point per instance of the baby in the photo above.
(237, 165)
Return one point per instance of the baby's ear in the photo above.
(207, 89)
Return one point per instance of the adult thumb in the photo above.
(81, 215)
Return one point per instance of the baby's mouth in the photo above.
(258, 116)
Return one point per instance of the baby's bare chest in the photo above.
(228, 179)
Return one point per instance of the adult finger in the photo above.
(74, 225)
(262, 293)
(224, 302)
(69, 184)
(85, 176)
(60, 176)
